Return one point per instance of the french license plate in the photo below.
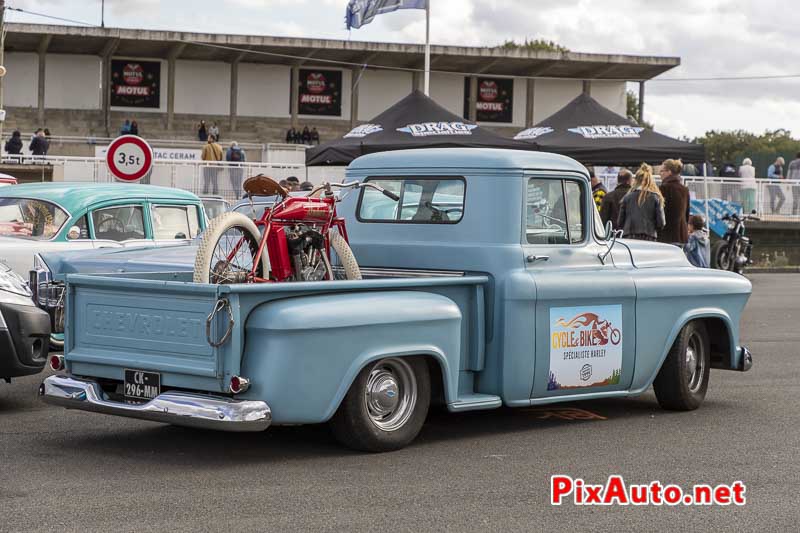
(141, 386)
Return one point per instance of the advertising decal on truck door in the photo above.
(585, 346)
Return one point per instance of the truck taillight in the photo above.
(239, 384)
(57, 362)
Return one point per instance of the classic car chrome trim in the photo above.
(178, 408)
(381, 272)
(746, 362)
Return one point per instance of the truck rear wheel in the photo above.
(386, 405)
(682, 382)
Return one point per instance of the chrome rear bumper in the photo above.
(746, 361)
(178, 408)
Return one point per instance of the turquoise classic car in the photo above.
(492, 282)
(47, 217)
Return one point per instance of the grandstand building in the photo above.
(86, 81)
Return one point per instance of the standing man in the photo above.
(38, 144)
(598, 189)
(794, 174)
(235, 155)
(676, 204)
(294, 183)
(609, 210)
(775, 172)
(212, 153)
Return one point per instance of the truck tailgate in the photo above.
(118, 324)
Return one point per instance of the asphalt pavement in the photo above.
(483, 471)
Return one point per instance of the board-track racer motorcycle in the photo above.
(291, 241)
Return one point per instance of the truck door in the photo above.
(585, 305)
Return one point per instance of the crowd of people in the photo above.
(129, 127)
(292, 184)
(214, 153)
(643, 210)
(39, 144)
(306, 136)
(205, 132)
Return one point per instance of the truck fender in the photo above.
(303, 353)
(685, 318)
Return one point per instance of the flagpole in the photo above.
(427, 48)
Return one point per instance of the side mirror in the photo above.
(611, 240)
(74, 233)
(609, 231)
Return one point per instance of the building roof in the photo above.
(77, 196)
(460, 158)
(297, 51)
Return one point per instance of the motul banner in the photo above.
(135, 83)
(494, 102)
(320, 92)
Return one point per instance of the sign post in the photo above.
(129, 158)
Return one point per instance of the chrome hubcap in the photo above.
(391, 394)
(695, 363)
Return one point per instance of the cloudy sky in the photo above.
(713, 38)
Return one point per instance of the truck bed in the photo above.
(160, 322)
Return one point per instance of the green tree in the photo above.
(632, 100)
(533, 45)
(733, 146)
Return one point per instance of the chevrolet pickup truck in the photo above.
(491, 282)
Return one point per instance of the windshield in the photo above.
(30, 219)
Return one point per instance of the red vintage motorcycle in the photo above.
(290, 242)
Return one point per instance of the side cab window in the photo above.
(554, 211)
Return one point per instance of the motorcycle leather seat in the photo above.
(262, 185)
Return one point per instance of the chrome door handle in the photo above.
(534, 258)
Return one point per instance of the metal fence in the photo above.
(774, 200)
(201, 178)
(283, 153)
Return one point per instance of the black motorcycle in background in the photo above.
(733, 251)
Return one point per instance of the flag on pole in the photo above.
(361, 12)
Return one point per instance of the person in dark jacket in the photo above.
(134, 128)
(676, 204)
(14, 144)
(598, 189)
(202, 131)
(641, 212)
(609, 210)
(38, 145)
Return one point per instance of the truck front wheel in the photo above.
(682, 382)
(386, 405)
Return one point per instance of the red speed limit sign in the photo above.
(129, 158)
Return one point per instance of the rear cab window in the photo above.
(554, 211)
(429, 200)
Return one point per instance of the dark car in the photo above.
(24, 328)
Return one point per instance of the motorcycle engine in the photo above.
(306, 250)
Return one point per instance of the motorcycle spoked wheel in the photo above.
(230, 243)
(227, 251)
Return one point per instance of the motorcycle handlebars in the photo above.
(354, 185)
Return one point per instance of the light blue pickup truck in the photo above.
(491, 282)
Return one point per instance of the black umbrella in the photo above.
(416, 121)
(594, 135)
